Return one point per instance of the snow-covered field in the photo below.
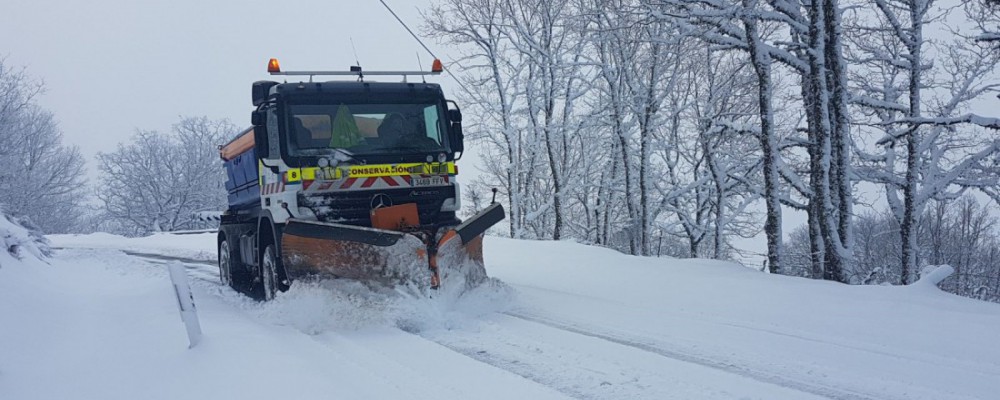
(563, 320)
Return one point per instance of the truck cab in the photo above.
(344, 142)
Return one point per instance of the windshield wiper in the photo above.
(343, 156)
(412, 147)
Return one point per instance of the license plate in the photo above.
(429, 181)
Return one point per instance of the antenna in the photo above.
(355, 50)
(356, 61)
(420, 66)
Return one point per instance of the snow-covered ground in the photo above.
(563, 320)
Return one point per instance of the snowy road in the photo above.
(567, 321)
(581, 364)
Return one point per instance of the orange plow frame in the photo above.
(311, 248)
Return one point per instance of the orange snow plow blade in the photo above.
(426, 259)
(329, 250)
(457, 263)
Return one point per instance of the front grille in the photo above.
(354, 207)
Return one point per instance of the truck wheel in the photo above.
(225, 263)
(269, 272)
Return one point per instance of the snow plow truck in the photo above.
(351, 180)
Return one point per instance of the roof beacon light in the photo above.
(272, 66)
(274, 69)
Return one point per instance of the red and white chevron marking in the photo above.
(378, 182)
(272, 188)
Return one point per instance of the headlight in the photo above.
(306, 213)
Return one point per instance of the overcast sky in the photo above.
(112, 66)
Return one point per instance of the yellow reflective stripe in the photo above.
(309, 174)
(375, 170)
(328, 173)
(368, 171)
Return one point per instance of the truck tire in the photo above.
(269, 266)
(225, 263)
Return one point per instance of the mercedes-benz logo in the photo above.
(381, 200)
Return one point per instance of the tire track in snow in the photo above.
(485, 357)
(757, 375)
(546, 353)
(203, 270)
(197, 269)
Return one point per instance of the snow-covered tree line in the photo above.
(155, 182)
(158, 182)
(962, 233)
(42, 180)
(917, 139)
(605, 125)
(652, 125)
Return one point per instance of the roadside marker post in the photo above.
(185, 302)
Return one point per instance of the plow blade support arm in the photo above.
(480, 222)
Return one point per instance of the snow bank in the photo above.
(932, 275)
(888, 342)
(20, 242)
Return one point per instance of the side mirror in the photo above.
(260, 141)
(260, 91)
(258, 118)
(455, 135)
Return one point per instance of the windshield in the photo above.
(365, 129)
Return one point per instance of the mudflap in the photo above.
(329, 250)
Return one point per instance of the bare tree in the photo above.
(761, 60)
(157, 181)
(914, 97)
(985, 14)
(41, 179)
(743, 26)
(616, 48)
(523, 82)
(490, 83)
(712, 164)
